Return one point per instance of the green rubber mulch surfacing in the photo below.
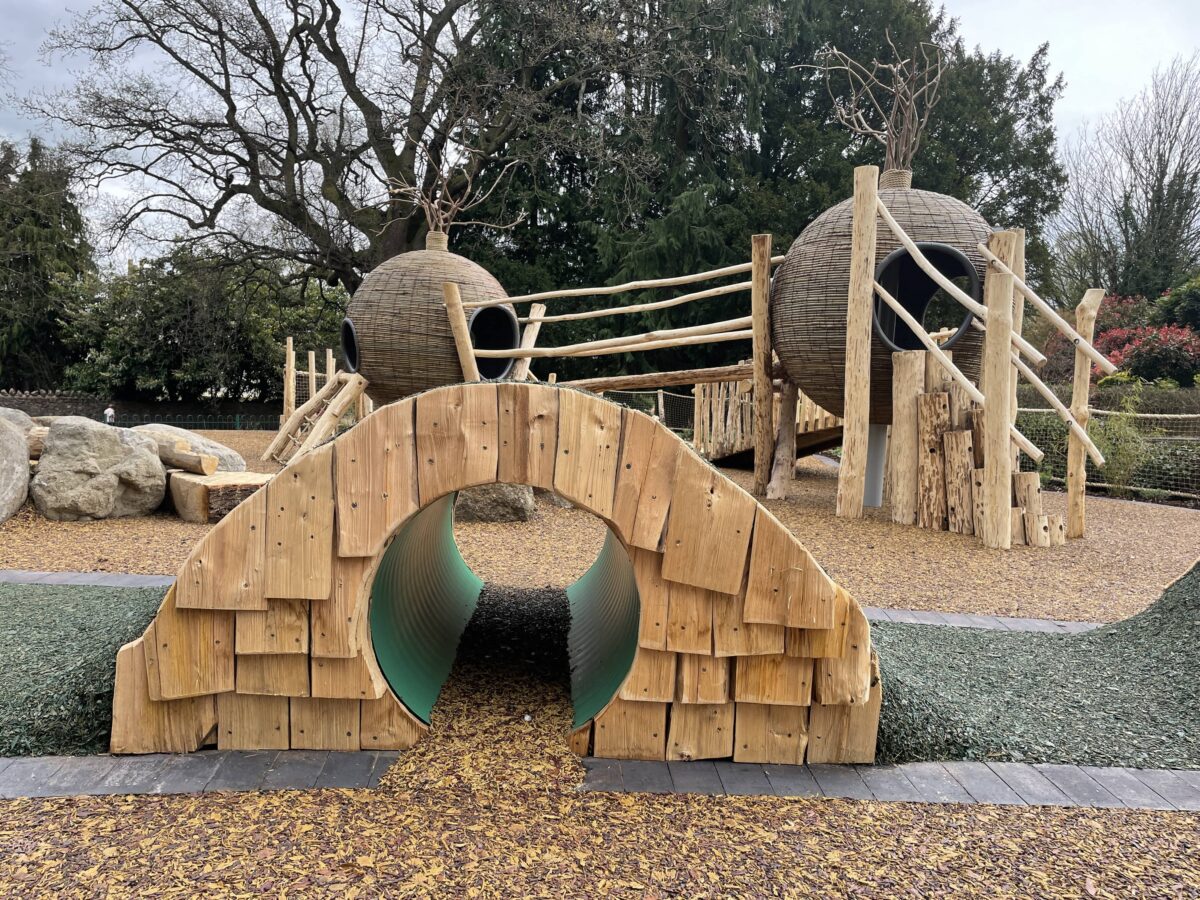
(58, 650)
(1127, 694)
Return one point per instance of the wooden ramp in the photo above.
(740, 645)
(317, 419)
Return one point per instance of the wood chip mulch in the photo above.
(487, 806)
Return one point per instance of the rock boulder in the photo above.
(93, 471)
(227, 460)
(16, 417)
(14, 469)
(495, 503)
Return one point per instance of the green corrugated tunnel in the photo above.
(424, 594)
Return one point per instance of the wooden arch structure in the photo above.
(744, 647)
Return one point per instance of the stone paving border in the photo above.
(1006, 784)
(190, 773)
(1011, 784)
(909, 616)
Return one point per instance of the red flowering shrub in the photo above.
(1114, 313)
(1149, 353)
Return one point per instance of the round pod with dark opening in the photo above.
(810, 288)
(396, 333)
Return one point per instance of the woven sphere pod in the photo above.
(809, 291)
(396, 333)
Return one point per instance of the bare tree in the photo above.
(1131, 218)
(219, 111)
(455, 189)
(890, 102)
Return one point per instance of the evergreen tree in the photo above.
(46, 265)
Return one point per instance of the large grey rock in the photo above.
(16, 417)
(93, 471)
(227, 460)
(495, 503)
(14, 469)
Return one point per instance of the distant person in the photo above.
(110, 415)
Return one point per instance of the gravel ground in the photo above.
(57, 652)
(1131, 552)
(1123, 695)
(487, 806)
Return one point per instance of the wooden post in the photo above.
(1018, 268)
(1085, 324)
(857, 415)
(458, 327)
(908, 370)
(330, 365)
(996, 381)
(783, 469)
(529, 337)
(760, 298)
(312, 373)
(661, 406)
(289, 381)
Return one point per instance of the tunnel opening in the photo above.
(425, 595)
(494, 328)
(922, 297)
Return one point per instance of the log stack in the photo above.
(745, 648)
(936, 460)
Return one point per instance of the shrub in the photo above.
(1181, 305)
(1115, 312)
(1122, 443)
(1152, 353)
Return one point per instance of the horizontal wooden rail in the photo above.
(621, 288)
(1053, 317)
(586, 348)
(676, 378)
(1027, 446)
(745, 335)
(639, 307)
(966, 300)
(1063, 413)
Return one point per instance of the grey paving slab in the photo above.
(841, 781)
(1032, 786)
(988, 623)
(602, 775)
(241, 770)
(188, 773)
(133, 774)
(27, 777)
(1191, 776)
(792, 781)
(5, 762)
(1040, 625)
(1079, 786)
(21, 576)
(888, 783)
(646, 776)
(906, 616)
(383, 762)
(982, 783)
(1123, 784)
(77, 775)
(1167, 785)
(295, 770)
(347, 770)
(928, 617)
(744, 779)
(1081, 627)
(876, 614)
(697, 776)
(935, 783)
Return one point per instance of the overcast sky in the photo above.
(1105, 48)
